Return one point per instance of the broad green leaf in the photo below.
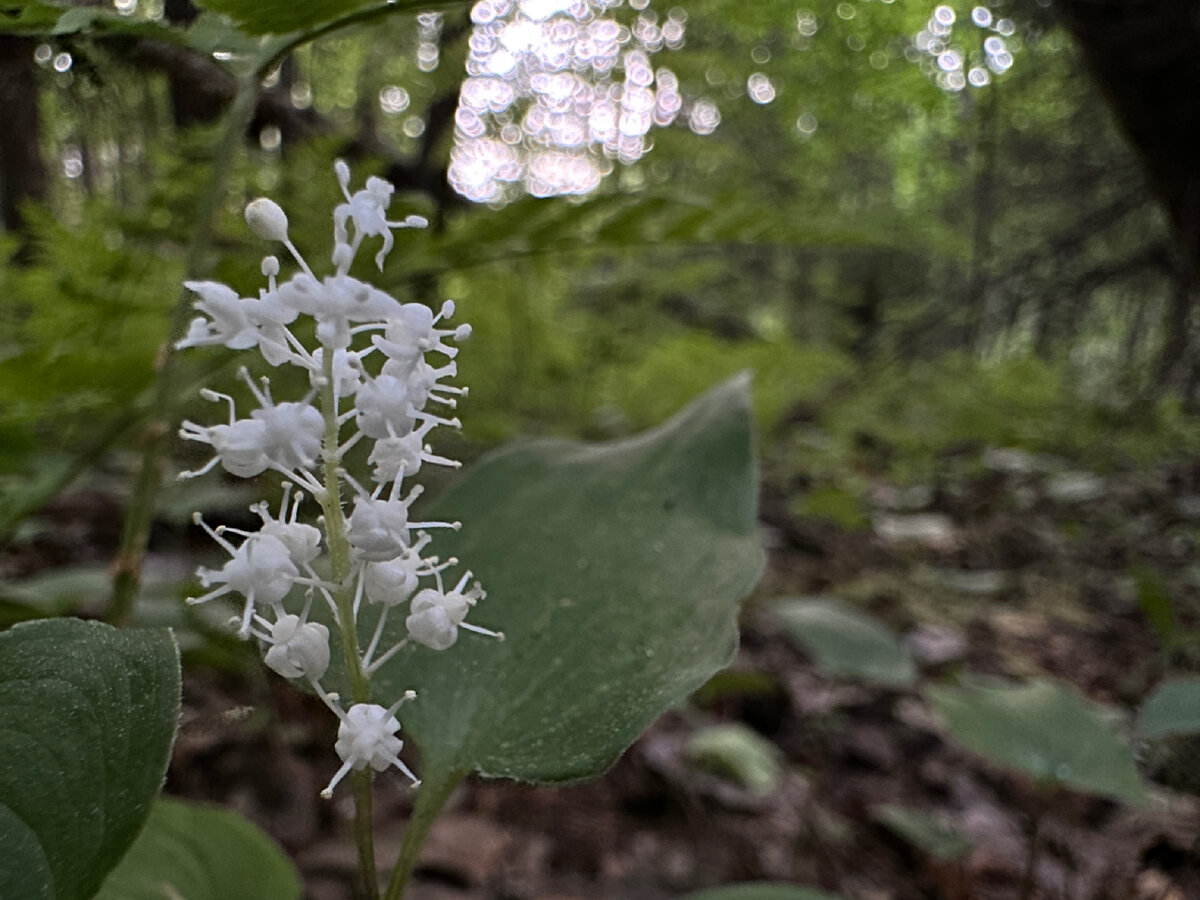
(87, 717)
(1046, 730)
(762, 890)
(846, 642)
(287, 16)
(201, 853)
(1173, 708)
(615, 572)
(738, 753)
(926, 831)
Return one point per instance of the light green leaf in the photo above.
(615, 572)
(1173, 708)
(762, 890)
(926, 831)
(739, 753)
(87, 717)
(79, 18)
(846, 642)
(201, 853)
(287, 16)
(281, 16)
(1046, 730)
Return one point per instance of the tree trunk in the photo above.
(1145, 56)
(193, 102)
(22, 173)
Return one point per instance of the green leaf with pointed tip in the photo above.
(201, 853)
(87, 718)
(763, 890)
(846, 642)
(1046, 730)
(1173, 708)
(614, 571)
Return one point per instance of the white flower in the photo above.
(231, 325)
(400, 457)
(378, 528)
(261, 570)
(239, 446)
(284, 436)
(368, 210)
(335, 302)
(368, 737)
(292, 438)
(412, 334)
(302, 541)
(241, 323)
(438, 614)
(382, 407)
(298, 649)
(393, 581)
(422, 384)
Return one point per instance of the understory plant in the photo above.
(371, 382)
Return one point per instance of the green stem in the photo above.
(335, 535)
(127, 567)
(435, 791)
(364, 830)
(341, 570)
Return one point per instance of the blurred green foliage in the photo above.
(835, 260)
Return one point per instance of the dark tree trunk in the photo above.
(193, 102)
(22, 173)
(1145, 55)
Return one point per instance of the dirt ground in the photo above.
(1010, 566)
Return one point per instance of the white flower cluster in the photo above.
(369, 375)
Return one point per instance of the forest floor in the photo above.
(1004, 564)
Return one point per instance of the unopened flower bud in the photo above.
(267, 219)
